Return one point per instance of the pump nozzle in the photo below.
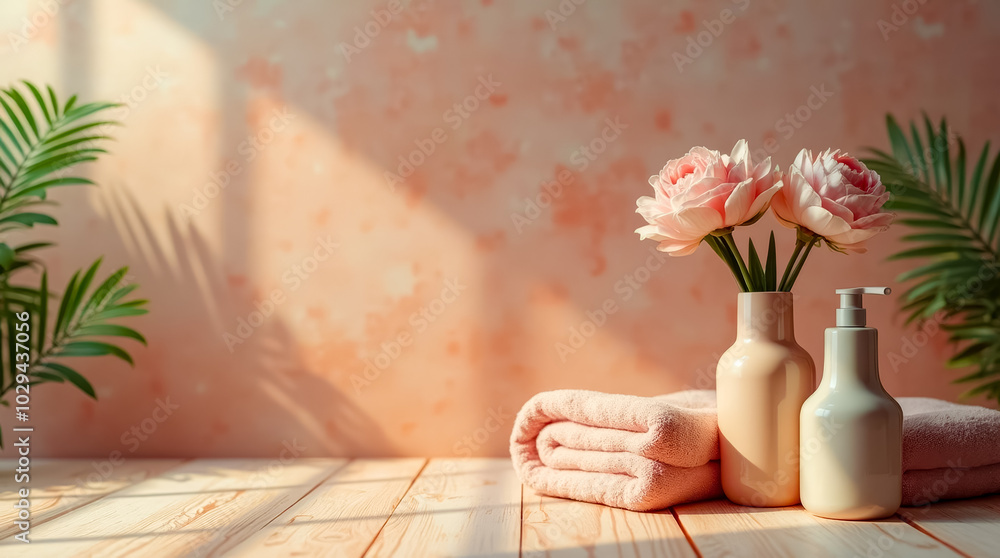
(852, 311)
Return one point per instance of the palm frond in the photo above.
(41, 140)
(35, 143)
(84, 317)
(956, 220)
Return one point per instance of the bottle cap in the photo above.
(852, 311)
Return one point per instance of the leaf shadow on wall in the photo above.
(255, 401)
(270, 399)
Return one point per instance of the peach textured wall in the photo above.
(253, 164)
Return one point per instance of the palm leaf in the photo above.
(38, 138)
(72, 376)
(955, 217)
(33, 148)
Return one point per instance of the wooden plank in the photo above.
(721, 528)
(58, 486)
(456, 507)
(342, 516)
(201, 508)
(972, 526)
(554, 527)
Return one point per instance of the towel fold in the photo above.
(949, 450)
(648, 453)
(638, 453)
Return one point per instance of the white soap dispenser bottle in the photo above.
(851, 429)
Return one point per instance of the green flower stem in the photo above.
(727, 258)
(802, 260)
(735, 251)
(799, 244)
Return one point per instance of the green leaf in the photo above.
(80, 290)
(56, 162)
(958, 187)
(956, 218)
(991, 203)
(73, 377)
(88, 109)
(119, 313)
(102, 292)
(7, 255)
(931, 224)
(940, 238)
(64, 147)
(31, 246)
(71, 132)
(63, 316)
(771, 271)
(12, 139)
(48, 376)
(756, 270)
(928, 286)
(55, 102)
(25, 110)
(918, 154)
(94, 348)
(713, 242)
(974, 332)
(17, 123)
(968, 356)
(900, 148)
(40, 188)
(945, 160)
(928, 251)
(29, 219)
(935, 170)
(977, 175)
(121, 292)
(43, 311)
(925, 209)
(110, 330)
(938, 267)
(40, 100)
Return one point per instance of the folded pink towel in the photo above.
(647, 453)
(949, 450)
(638, 453)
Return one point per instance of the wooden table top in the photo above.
(414, 508)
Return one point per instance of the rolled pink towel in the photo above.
(638, 453)
(647, 453)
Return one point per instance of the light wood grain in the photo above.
(59, 486)
(721, 528)
(553, 527)
(201, 508)
(341, 517)
(456, 507)
(972, 526)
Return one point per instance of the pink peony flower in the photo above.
(702, 192)
(834, 196)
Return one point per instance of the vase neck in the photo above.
(765, 316)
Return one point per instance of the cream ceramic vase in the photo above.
(762, 382)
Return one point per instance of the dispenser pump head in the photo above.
(852, 311)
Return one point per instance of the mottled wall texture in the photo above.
(378, 227)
